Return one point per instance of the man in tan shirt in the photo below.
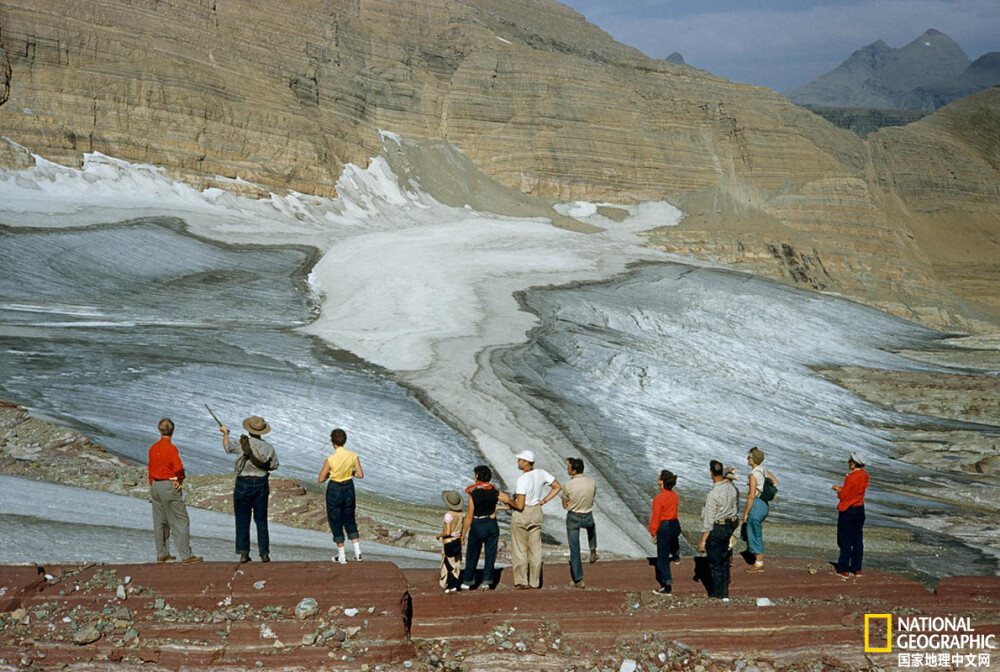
(578, 500)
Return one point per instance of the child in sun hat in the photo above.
(451, 542)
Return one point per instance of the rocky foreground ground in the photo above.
(796, 616)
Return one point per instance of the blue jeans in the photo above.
(851, 538)
(340, 506)
(667, 535)
(250, 500)
(574, 523)
(755, 522)
(717, 550)
(482, 532)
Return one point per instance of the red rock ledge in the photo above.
(374, 616)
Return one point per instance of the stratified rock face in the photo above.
(533, 95)
(878, 76)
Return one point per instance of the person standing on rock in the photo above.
(451, 542)
(578, 500)
(166, 478)
(851, 517)
(665, 529)
(718, 520)
(480, 528)
(756, 509)
(526, 520)
(341, 468)
(251, 491)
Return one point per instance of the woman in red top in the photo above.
(665, 529)
(851, 519)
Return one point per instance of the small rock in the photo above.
(629, 665)
(306, 608)
(20, 615)
(309, 638)
(128, 580)
(159, 603)
(122, 625)
(353, 630)
(259, 585)
(131, 634)
(699, 668)
(120, 592)
(813, 570)
(350, 612)
(86, 635)
(507, 645)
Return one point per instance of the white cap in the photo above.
(526, 455)
(859, 457)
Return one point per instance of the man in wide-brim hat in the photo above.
(251, 491)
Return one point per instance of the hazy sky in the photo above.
(784, 43)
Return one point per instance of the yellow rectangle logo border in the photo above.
(888, 635)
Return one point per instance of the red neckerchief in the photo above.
(479, 485)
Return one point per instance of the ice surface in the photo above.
(44, 522)
(668, 366)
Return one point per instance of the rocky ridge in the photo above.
(878, 76)
(537, 99)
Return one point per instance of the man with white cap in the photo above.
(526, 520)
(851, 517)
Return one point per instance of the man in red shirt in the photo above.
(166, 476)
(851, 517)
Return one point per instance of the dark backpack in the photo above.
(769, 489)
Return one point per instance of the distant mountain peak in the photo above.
(880, 76)
(676, 57)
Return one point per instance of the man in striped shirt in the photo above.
(718, 520)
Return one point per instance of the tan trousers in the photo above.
(526, 546)
(170, 513)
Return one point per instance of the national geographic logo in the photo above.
(929, 641)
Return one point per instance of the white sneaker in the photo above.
(357, 557)
(340, 559)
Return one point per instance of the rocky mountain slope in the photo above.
(879, 76)
(538, 100)
(983, 73)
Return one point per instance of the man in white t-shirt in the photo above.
(526, 520)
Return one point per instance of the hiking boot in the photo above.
(165, 558)
(663, 592)
(844, 575)
(244, 558)
(578, 584)
(593, 556)
(265, 558)
(753, 569)
(193, 560)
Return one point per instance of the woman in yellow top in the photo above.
(341, 469)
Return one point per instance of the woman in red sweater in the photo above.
(851, 518)
(665, 529)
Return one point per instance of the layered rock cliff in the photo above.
(538, 99)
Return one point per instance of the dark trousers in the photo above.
(667, 540)
(250, 500)
(717, 550)
(340, 505)
(574, 523)
(482, 532)
(851, 538)
(451, 562)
